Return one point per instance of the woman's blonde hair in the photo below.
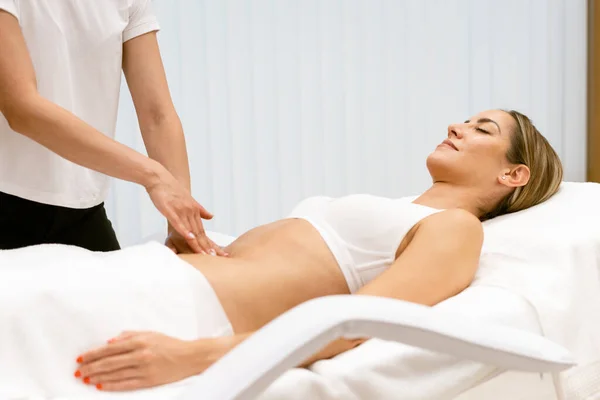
(529, 147)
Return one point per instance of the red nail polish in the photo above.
(86, 380)
(99, 386)
(77, 374)
(79, 359)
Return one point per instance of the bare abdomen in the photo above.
(271, 269)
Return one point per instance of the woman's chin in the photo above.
(442, 156)
(442, 161)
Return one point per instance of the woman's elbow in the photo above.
(460, 279)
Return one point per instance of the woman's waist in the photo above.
(271, 269)
(251, 299)
(292, 243)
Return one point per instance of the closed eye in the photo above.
(482, 130)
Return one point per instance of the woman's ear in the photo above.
(515, 177)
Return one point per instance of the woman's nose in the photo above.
(454, 130)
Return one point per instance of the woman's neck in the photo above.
(444, 195)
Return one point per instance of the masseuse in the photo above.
(60, 73)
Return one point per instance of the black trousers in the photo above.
(25, 223)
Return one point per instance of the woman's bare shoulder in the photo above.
(455, 219)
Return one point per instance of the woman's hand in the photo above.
(136, 360)
(184, 214)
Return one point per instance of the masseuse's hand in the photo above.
(136, 360)
(180, 245)
(184, 213)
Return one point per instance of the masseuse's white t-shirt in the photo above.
(76, 48)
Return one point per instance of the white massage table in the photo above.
(526, 328)
(485, 343)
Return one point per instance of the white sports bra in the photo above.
(362, 231)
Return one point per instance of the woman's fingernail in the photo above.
(213, 252)
(99, 386)
(77, 374)
(86, 380)
(191, 235)
(79, 359)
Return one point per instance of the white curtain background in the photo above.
(284, 99)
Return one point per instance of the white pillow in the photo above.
(570, 216)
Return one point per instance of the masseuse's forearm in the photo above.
(165, 142)
(68, 136)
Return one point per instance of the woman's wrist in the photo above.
(333, 349)
(202, 353)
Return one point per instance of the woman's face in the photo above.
(474, 152)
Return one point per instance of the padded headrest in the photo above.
(570, 217)
(550, 255)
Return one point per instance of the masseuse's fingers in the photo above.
(177, 243)
(189, 215)
(218, 249)
(184, 229)
(176, 203)
(199, 233)
(207, 244)
(204, 214)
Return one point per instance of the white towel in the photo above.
(59, 301)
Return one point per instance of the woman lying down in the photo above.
(143, 316)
